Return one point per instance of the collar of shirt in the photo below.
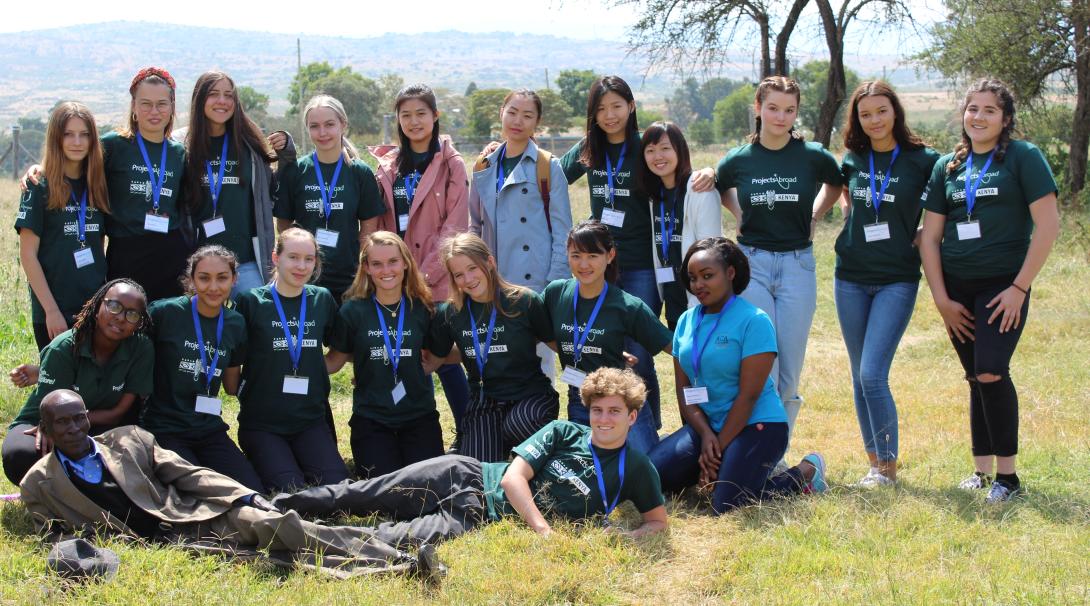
(88, 467)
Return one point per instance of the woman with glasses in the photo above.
(105, 356)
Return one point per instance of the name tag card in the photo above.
(296, 385)
(573, 376)
(403, 222)
(84, 257)
(214, 227)
(398, 392)
(664, 275)
(156, 223)
(696, 395)
(873, 232)
(209, 406)
(327, 237)
(968, 230)
(613, 217)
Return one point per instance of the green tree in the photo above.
(732, 114)
(555, 113)
(255, 103)
(701, 132)
(812, 78)
(695, 100)
(646, 116)
(302, 85)
(574, 85)
(360, 96)
(470, 89)
(484, 111)
(390, 84)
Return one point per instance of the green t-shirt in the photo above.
(235, 201)
(622, 315)
(179, 373)
(565, 482)
(58, 231)
(894, 259)
(129, 186)
(776, 190)
(355, 198)
(360, 334)
(512, 369)
(127, 371)
(1001, 210)
(263, 405)
(674, 297)
(632, 238)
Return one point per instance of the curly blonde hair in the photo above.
(606, 382)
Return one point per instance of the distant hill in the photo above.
(94, 63)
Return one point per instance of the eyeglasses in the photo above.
(132, 316)
(147, 107)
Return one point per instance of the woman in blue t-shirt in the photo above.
(735, 426)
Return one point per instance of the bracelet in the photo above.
(1024, 291)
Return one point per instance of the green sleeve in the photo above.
(935, 193)
(371, 204)
(573, 168)
(538, 449)
(139, 378)
(643, 487)
(724, 176)
(238, 354)
(285, 189)
(32, 203)
(328, 308)
(343, 329)
(827, 169)
(57, 371)
(644, 327)
(539, 318)
(1034, 174)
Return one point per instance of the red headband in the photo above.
(148, 72)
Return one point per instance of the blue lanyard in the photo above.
(610, 172)
(667, 222)
(156, 182)
(880, 194)
(970, 192)
(579, 337)
(210, 369)
(394, 356)
(482, 355)
(698, 347)
(81, 216)
(500, 176)
(295, 346)
(215, 186)
(411, 181)
(327, 194)
(601, 480)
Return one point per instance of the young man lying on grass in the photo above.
(565, 469)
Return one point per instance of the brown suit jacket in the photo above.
(155, 479)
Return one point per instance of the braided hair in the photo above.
(777, 84)
(1005, 98)
(83, 328)
(728, 254)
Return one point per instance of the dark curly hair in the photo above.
(83, 328)
(592, 236)
(1005, 97)
(208, 250)
(728, 254)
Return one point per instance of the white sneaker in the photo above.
(1000, 493)
(874, 479)
(977, 481)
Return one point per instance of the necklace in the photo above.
(393, 312)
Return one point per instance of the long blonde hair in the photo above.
(53, 159)
(413, 285)
(331, 103)
(472, 246)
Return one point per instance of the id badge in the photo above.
(403, 222)
(664, 275)
(209, 405)
(398, 392)
(573, 376)
(613, 217)
(327, 237)
(873, 232)
(84, 257)
(296, 385)
(214, 226)
(968, 230)
(696, 395)
(156, 223)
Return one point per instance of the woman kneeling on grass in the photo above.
(735, 424)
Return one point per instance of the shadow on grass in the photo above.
(1059, 508)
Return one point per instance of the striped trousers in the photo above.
(492, 427)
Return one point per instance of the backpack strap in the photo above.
(543, 170)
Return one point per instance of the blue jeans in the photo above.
(745, 470)
(871, 340)
(641, 284)
(249, 277)
(784, 286)
(642, 436)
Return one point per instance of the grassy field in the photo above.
(923, 542)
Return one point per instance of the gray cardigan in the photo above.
(264, 189)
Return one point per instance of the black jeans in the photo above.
(215, 451)
(290, 461)
(380, 449)
(155, 261)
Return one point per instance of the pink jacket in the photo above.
(439, 209)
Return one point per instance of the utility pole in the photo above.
(14, 150)
(302, 95)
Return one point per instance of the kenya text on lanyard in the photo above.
(153, 221)
(215, 225)
(876, 231)
(665, 274)
(571, 375)
(394, 355)
(411, 182)
(969, 229)
(327, 237)
(698, 393)
(601, 478)
(293, 383)
(610, 215)
(482, 354)
(84, 256)
(207, 403)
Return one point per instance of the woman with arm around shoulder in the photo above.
(283, 397)
(885, 171)
(60, 223)
(778, 180)
(593, 320)
(735, 425)
(983, 203)
(496, 326)
(423, 181)
(200, 346)
(666, 174)
(388, 326)
(229, 178)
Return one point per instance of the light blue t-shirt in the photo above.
(744, 331)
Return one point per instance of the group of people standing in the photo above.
(292, 267)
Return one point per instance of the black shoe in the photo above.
(428, 567)
(456, 445)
